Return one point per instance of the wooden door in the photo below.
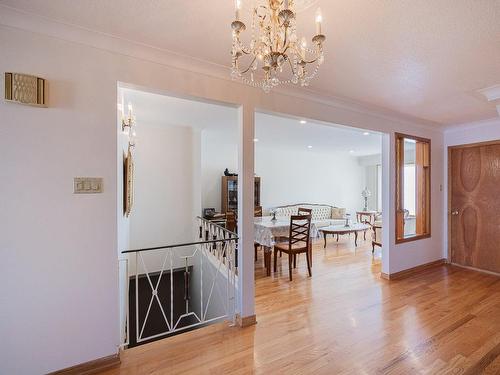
(475, 206)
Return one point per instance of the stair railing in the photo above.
(209, 268)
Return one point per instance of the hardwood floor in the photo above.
(345, 320)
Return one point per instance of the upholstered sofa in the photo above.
(322, 214)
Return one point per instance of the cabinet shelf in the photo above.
(229, 189)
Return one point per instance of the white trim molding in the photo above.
(492, 94)
(471, 125)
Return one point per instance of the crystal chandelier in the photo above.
(275, 55)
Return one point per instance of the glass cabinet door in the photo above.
(232, 194)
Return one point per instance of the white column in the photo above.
(246, 288)
(388, 203)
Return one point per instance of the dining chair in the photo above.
(304, 211)
(377, 236)
(231, 221)
(300, 211)
(298, 242)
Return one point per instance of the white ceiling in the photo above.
(285, 132)
(270, 130)
(423, 58)
(160, 110)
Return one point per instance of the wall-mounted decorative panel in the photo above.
(25, 89)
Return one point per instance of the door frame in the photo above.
(448, 208)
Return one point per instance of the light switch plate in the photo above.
(87, 185)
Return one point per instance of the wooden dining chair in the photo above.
(305, 211)
(231, 221)
(300, 211)
(377, 236)
(298, 242)
(257, 212)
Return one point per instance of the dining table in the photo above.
(268, 231)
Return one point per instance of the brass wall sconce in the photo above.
(25, 89)
(129, 121)
(128, 125)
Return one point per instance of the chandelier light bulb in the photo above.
(319, 20)
(237, 8)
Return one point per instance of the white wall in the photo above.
(287, 175)
(482, 131)
(59, 250)
(164, 182)
(219, 150)
(306, 176)
(166, 194)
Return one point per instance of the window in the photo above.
(413, 182)
(409, 195)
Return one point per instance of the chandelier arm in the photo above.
(311, 61)
(249, 66)
(291, 66)
(286, 48)
(285, 40)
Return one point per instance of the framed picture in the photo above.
(128, 183)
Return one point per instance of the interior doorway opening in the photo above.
(178, 269)
(336, 173)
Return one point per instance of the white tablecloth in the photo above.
(266, 230)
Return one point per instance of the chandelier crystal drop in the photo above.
(275, 55)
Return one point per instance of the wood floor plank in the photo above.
(428, 346)
(345, 319)
(481, 365)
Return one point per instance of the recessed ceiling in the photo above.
(289, 133)
(422, 58)
(274, 131)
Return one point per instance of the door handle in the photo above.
(454, 212)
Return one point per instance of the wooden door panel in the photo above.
(475, 194)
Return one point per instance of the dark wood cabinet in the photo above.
(229, 189)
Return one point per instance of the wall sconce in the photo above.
(128, 125)
(129, 121)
